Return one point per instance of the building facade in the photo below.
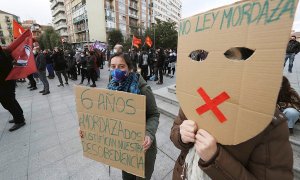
(59, 17)
(35, 28)
(166, 10)
(6, 27)
(91, 20)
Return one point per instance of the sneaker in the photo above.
(42, 91)
(60, 85)
(34, 88)
(159, 83)
(29, 87)
(93, 85)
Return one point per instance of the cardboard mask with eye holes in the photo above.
(232, 91)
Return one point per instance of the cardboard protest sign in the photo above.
(113, 125)
(230, 63)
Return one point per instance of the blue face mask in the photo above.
(118, 75)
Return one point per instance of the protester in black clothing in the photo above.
(8, 92)
(134, 59)
(60, 66)
(32, 83)
(160, 65)
(41, 67)
(151, 62)
(143, 64)
(83, 64)
(292, 49)
(49, 63)
(91, 67)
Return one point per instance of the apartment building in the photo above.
(85, 21)
(59, 17)
(91, 20)
(6, 27)
(166, 10)
(35, 28)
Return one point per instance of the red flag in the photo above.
(21, 52)
(18, 29)
(136, 42)
(148, 41)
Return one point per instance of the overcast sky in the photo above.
(40, 9)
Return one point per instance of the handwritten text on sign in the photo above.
(113, 125)
(251, 12)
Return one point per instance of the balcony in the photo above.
(55, 2)
(133, 6)
(58, 18)
(60, 26)
(57, 10)
(79, 18)
(110, 18)
(133, 16)
(79, 30)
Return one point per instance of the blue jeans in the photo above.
(50, 70)
(291, 57)
(292, 116)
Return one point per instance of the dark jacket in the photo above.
(91, 62)
(48, 58)
(5, 68)
(152, 114)
(59, 62)
(160, 59)
(41, 62)
(134, 58)
(267, 156)
(293, 47)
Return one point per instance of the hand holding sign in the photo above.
(206, 145)
(187, 131)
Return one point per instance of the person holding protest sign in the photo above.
(266, 156)
(289, 103)
(123, 79)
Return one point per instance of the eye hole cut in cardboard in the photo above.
(239, 53)
(198, 55)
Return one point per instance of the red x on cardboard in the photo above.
(212, 104)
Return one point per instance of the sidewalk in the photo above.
(49, 147)
(294, 77)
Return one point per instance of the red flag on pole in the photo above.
(21, 52)
(18, 29)
(149, 41)
(136, 41)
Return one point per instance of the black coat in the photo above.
(293, 47)
(59, 62)
(5, 68)
(41, 62)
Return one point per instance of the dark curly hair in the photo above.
(125, 57)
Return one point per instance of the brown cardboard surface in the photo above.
(113, 124)
(253, 85)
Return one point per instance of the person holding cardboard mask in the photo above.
(228, 127)
(289, 103)
(253, 159)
